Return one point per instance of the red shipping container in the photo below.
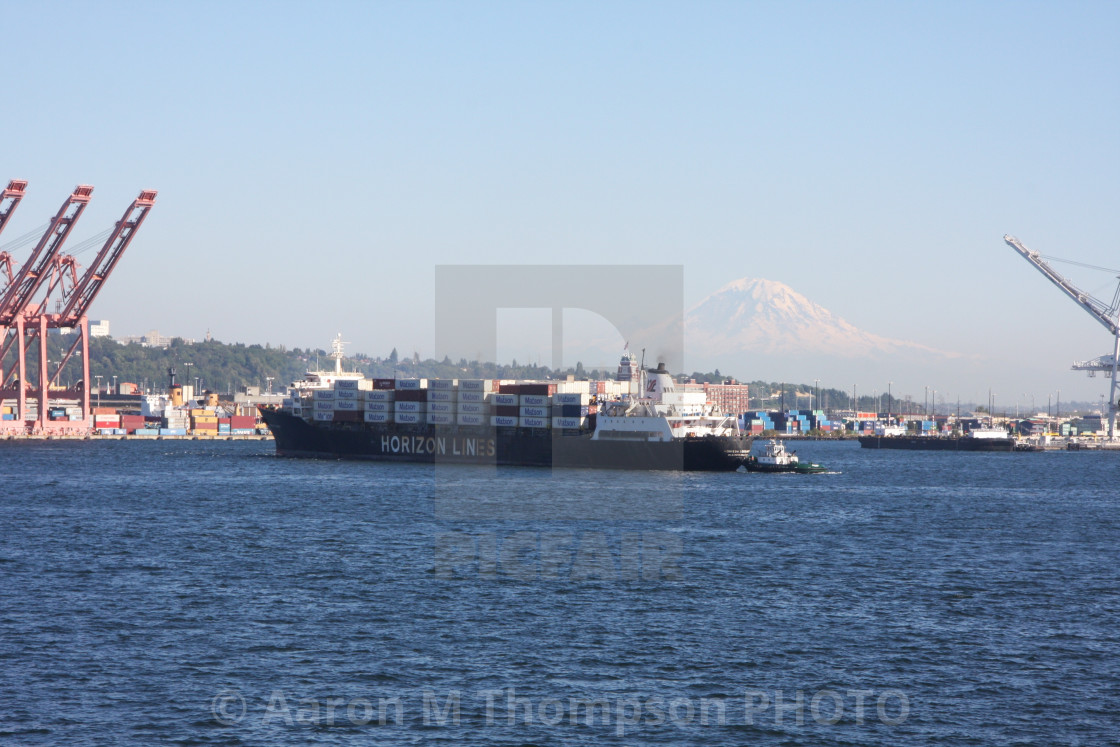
(347, 416)
(242, 421)
(412, 395)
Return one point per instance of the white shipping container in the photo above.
(442, 384)
(535, 412)
(503, 420)
(474, 408)
(573, 387)
(323, 405)
(441, 418)
(410, 407)
(378, 417)
(327, 416)
(465, 396)
(536, 422)
(412, 384)
(476, 385)
(569, 423)
(351, 394)
(436, 395)
(536, 400)
(380, 395)
(571, 398)
(441, 407)
(346, 405)
(409, 417)
(504, 399)
(466, 418)
(322, 394)
(347, 384)
(379, 407)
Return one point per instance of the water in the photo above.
(208, 593)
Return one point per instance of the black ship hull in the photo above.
(937, 443)
(296, 437)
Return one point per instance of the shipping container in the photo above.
(512, 411)
(348, 394)
(466, 418)
(536, 422)
(146, 432)
(570, 423)
(324, 415)
(473, 408)
(347, 416)
(412, 395)
(465, 396)
(379, 407)
(476, 385)
(324, 395)
(535, 400)
(411, 384)
(346, 405)
(442, 384)
(243, 432)
(172, 431)
(448, 407)
(384, 384)
(571, 398)
(350, 385)
(503, 420)
(436, 395)
(441, 418)
(535, 412)
(504, 399)
(379, 395)
(378, 417)
(409, 418)
(411, 407)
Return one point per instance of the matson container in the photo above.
(571, 398)
(466, 418)
(535, 412)
(447, 407)
(325, 415)
(322, 394)
(346, 384)
(465, 396)
(474, 408)
(410, 417)
(442, 384)
(351, 394)
(379, 395)
(575, 423)
(378, 417)
(536, 422)
(476, 385)
(411, 384)
(410, 407)
(379, 406)
(504, 399)
(536, 400)
(435, 395)
(441, 418)
(346, 405)
(503, 421)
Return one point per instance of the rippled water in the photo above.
(208, 593)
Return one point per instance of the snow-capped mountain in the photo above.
(765, 317)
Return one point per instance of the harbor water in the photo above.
(200, 593)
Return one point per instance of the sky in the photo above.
(316, 161)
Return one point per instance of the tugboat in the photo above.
(777, 459)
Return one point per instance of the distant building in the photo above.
(153, 339)
(99, 328)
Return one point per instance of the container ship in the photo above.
(638, 421)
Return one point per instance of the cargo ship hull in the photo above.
(936, 443)
(296, 437)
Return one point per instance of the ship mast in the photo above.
(336, 352)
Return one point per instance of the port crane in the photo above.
(46, 267)
(1107, 315)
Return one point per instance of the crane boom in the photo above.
(1096, 308)
(82, 295)
(34, 271)
(9, 200)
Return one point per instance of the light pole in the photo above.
(188, 364)
(98, 377)
(817, 385)
(115, 392)
(889, 400)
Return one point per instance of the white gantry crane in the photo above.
(1108, 315)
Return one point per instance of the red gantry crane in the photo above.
(1107, 315)
(82, 293)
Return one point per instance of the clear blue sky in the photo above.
(315, 161)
